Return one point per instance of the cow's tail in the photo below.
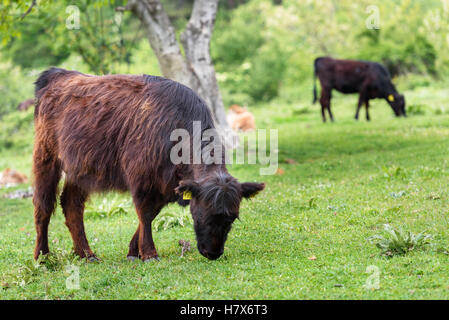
(42, 82)
(315, 97)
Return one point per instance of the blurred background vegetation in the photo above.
(262, 49)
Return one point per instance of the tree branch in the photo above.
(33, 3)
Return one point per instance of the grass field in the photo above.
(305, 237)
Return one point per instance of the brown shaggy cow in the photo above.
(113, 133)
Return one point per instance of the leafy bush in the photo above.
(17, 130)
(266, 74)
(399, 242)
(237, 37)
(108, 207)
(170, 219)
(15, 87)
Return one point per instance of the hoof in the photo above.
(132, 258)
(152, 259)
(93, 259)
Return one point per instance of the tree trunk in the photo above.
(196, 42)
(195, 70)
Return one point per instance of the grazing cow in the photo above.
(240, 119)
(113, 133)
(370, 79)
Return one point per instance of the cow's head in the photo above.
(214, 203)
(397, 103)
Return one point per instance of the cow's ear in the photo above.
(188, 189)
(250, 189)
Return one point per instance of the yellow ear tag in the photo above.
(187, 195)
(391, 98)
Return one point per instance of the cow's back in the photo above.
(345, 76)
(113, 130)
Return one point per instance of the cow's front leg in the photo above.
(330, 113)
(147, 250)
(367, 110)
(133, 252)
(147, 210)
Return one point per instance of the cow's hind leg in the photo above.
(47, 172)
(133, 252)
(72, 202)
(325, 101)
(330, 112)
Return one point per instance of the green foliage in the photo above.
(237, 36)
(17, 130)
(267, 72)
(11, 13)
(103, 39)
(398, 241)
(41, 42)
(31, 270)
(58, 259)
(413, 54)
(114, 205)
(169, 219)
(15, 87)
(248, 58)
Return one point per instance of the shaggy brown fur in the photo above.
(113, 133)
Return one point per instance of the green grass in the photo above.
(305, 237)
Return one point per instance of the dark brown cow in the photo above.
(371, 80)
(113, 133)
